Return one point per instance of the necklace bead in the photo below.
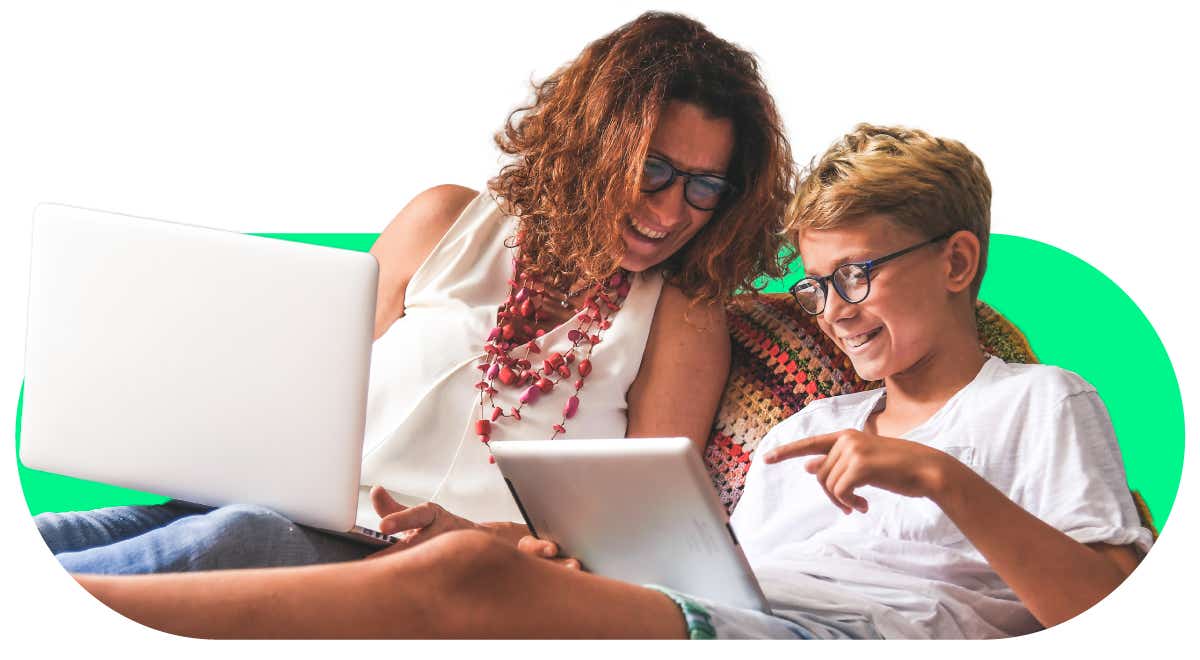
(507, 376)
(530, 395)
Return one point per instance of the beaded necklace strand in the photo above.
(520, 313)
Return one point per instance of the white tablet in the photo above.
(641, 510)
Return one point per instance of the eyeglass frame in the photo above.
(824, 281)
(687, 177)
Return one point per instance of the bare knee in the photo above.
(465, 558)
(456, 576)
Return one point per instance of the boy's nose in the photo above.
(836, 309)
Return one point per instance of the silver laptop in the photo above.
(641, 510)
(199, 364)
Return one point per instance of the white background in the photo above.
(328, 117)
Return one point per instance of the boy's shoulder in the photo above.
(1014, 380)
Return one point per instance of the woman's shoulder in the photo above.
(428, 215)
(439, 205)
(683, 324)
(676, 308)
(409, 239)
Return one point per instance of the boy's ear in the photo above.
(962, 248)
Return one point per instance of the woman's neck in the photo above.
(556, 302)
(553, 312)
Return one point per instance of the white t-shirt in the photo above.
(1039, 434)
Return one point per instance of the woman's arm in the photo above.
(684, 369)
(407, 242)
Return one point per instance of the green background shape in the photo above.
(1097, 332)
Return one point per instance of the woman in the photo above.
(580, 295)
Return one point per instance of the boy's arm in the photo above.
(1055, 576)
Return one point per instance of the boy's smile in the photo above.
(855, 343)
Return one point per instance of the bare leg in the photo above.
(459, 585)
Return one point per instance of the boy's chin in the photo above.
(869, 370)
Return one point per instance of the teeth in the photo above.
(859, 340)
(646, 231)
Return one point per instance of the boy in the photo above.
(1005, 506)
(965, 498)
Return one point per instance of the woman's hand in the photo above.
(414, 524)
(546, 550)
(846, 460)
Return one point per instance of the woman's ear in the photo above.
(962, 250)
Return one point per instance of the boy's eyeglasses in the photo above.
(851, 281)
(702, 192)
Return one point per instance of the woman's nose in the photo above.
(670, 203)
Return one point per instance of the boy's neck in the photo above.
(915, 394)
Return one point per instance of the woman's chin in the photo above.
(636, 264)
(637, 258)
(642, 253)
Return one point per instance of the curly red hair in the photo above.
(579, 146)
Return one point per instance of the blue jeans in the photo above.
(178, 536)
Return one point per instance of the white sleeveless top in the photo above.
(422, 403)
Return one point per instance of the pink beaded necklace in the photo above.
(519, 313)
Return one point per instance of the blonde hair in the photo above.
(929, 184)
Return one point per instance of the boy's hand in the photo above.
(848, 459)
(546, 550)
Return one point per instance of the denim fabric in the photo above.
(184, 537)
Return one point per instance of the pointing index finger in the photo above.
(817, 444)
